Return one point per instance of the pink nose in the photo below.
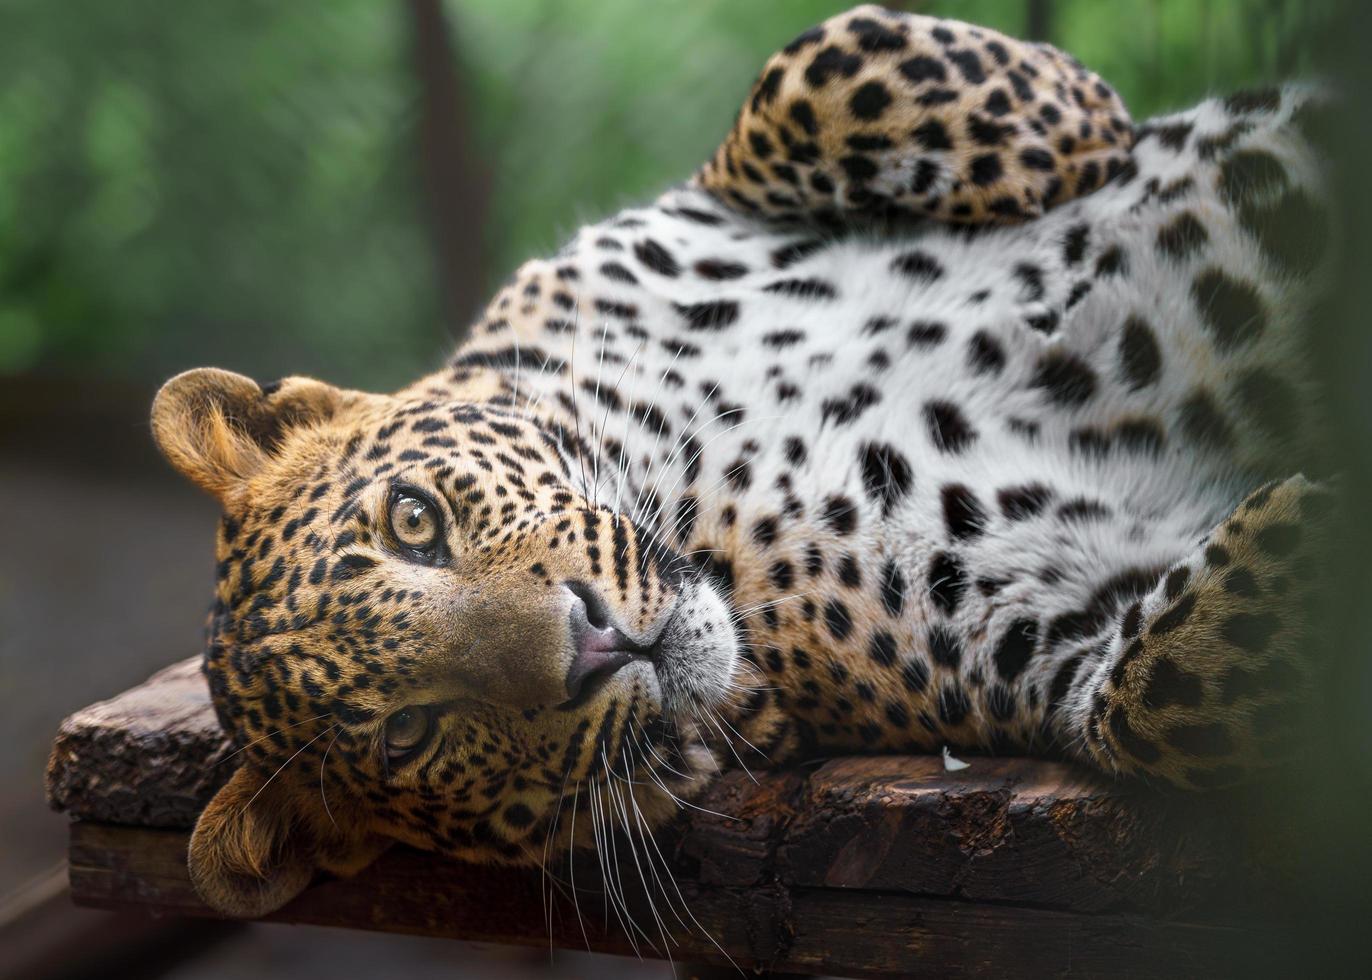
(599, 650)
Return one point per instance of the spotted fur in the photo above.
(1026, 489)
(875, 110)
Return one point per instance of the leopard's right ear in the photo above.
(219, 428)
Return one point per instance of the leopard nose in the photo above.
(599, 650)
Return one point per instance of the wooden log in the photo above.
(806, 930)
(871, 866)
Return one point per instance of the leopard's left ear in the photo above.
(219, 428)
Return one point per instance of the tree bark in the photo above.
(456, 184)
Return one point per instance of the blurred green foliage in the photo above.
(241, 183)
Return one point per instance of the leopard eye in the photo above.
(405, 732)
(415, 522)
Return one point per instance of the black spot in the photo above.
(1251, 632)
(932, 136)
(767, 86)
(944, 647)
(986, 169)
(1172, 136)
(657, 258)
(1278, 540)
(870, 100)
(848, 408)
(1023, 502)
(914, 675)
(712, 315)
(962, 511)
(1203, 423)
(947, 582)
(804, 115)
(875, 36)
(1182, 237)
(1171, 685)
(948, 427)
(1030, 277)
(918, 265)
(1251, 173)
(987, 133)
(897, 714)
(830, 62)
(1174, 617)
(1112, 262)
(1136, 745)
(781, 339)
(985, 354)
(838, 619)
(1036, 158)
(953, 704)
(1016, 647)
(840, 513)
(1066, 379)
(868, 142)
(892, 589)
(1240, 582)
(969, 64)
(617, 272)
(1139, 354)
(1231, 308)
(925, 333)
(923, 69)
(1294, 232)
(1000, 702)
(882, 648)
(718, 269)
(802, 288)
(1176, 581)
(1082, 509)
(886, 474)
(1132, 620)
(519, 815)
(858, 168)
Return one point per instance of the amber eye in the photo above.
(415, 523)
(405, 732)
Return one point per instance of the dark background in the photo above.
(333, 187)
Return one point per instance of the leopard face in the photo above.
(423, 631)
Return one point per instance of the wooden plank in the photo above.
(1004, 830)
(802, 929)
(149, 757)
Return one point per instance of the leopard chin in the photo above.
(700, 655)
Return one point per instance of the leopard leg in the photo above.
(1204, 674)
(878, 110)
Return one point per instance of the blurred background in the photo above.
(332, 187)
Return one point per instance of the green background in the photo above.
(241, 183)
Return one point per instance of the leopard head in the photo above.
(425, 629)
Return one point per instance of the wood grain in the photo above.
(871, 866)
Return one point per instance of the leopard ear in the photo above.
(249, 855)
(219, 428)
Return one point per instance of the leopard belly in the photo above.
(932, 468)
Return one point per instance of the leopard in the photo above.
(944, 406)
